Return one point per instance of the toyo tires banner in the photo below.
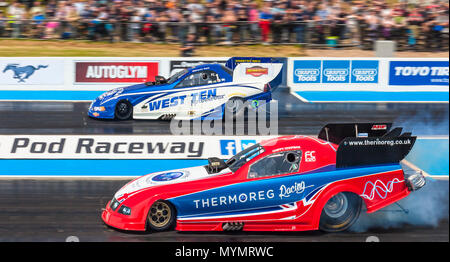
(369, 79)
(418, 73)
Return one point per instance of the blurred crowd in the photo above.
(312, 22)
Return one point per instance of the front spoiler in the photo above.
(113, 219)
(100, 115)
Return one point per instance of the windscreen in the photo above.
(176, 76)
(244, 156)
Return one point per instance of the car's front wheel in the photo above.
(161, 216)
(234, 107)
(124, 110)
(340, 212)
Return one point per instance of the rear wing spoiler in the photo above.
(234, 61)
(335, 133)
(368, 143)
(267, 70)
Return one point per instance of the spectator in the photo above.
(436, 20)
(242, 27)
(2, 23)
(16, 12)
(50, 8)
(37, 9)
(311, 21)
(213, 17)
(265, 20)
(320, 22)
(298, 18)
(253, 18)
(174, 16)
(373, 22)
(278, 12)
(71, 18)
(229, 25)
(353, 25)
(414, 20)
(135, 26)
(337, 22)
(195, 11)
(188, 49)
(399, 25)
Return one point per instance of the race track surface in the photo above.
(295, 117)
(53, 210)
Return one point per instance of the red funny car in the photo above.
(289, 183)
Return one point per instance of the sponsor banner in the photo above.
(108, 155)
(364, 71)
(115, 72)
(382, 80)
(335, 71)
(416, 73)
(32, 71)
(124, 147)
(256, 71)
(306, 71)
(178, 65)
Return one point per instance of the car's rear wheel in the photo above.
(340, 212)
(234, 107)
(124, 110)
(161, 216)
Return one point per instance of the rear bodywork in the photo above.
(186, 95)
(286, 202)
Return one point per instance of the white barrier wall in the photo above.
(135, 155)
(82, 78)
(112, 155)
(123, 146)
(310, 79)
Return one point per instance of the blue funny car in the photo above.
(204, 91)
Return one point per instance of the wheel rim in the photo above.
(232, 105)
(160, 214)
(123, 109)
(336, 206)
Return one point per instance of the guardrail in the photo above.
(324, 33)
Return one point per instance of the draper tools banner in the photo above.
(335, 71)
(377, 80)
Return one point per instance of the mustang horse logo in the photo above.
(23, 72)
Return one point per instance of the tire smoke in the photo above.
(426, 207)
